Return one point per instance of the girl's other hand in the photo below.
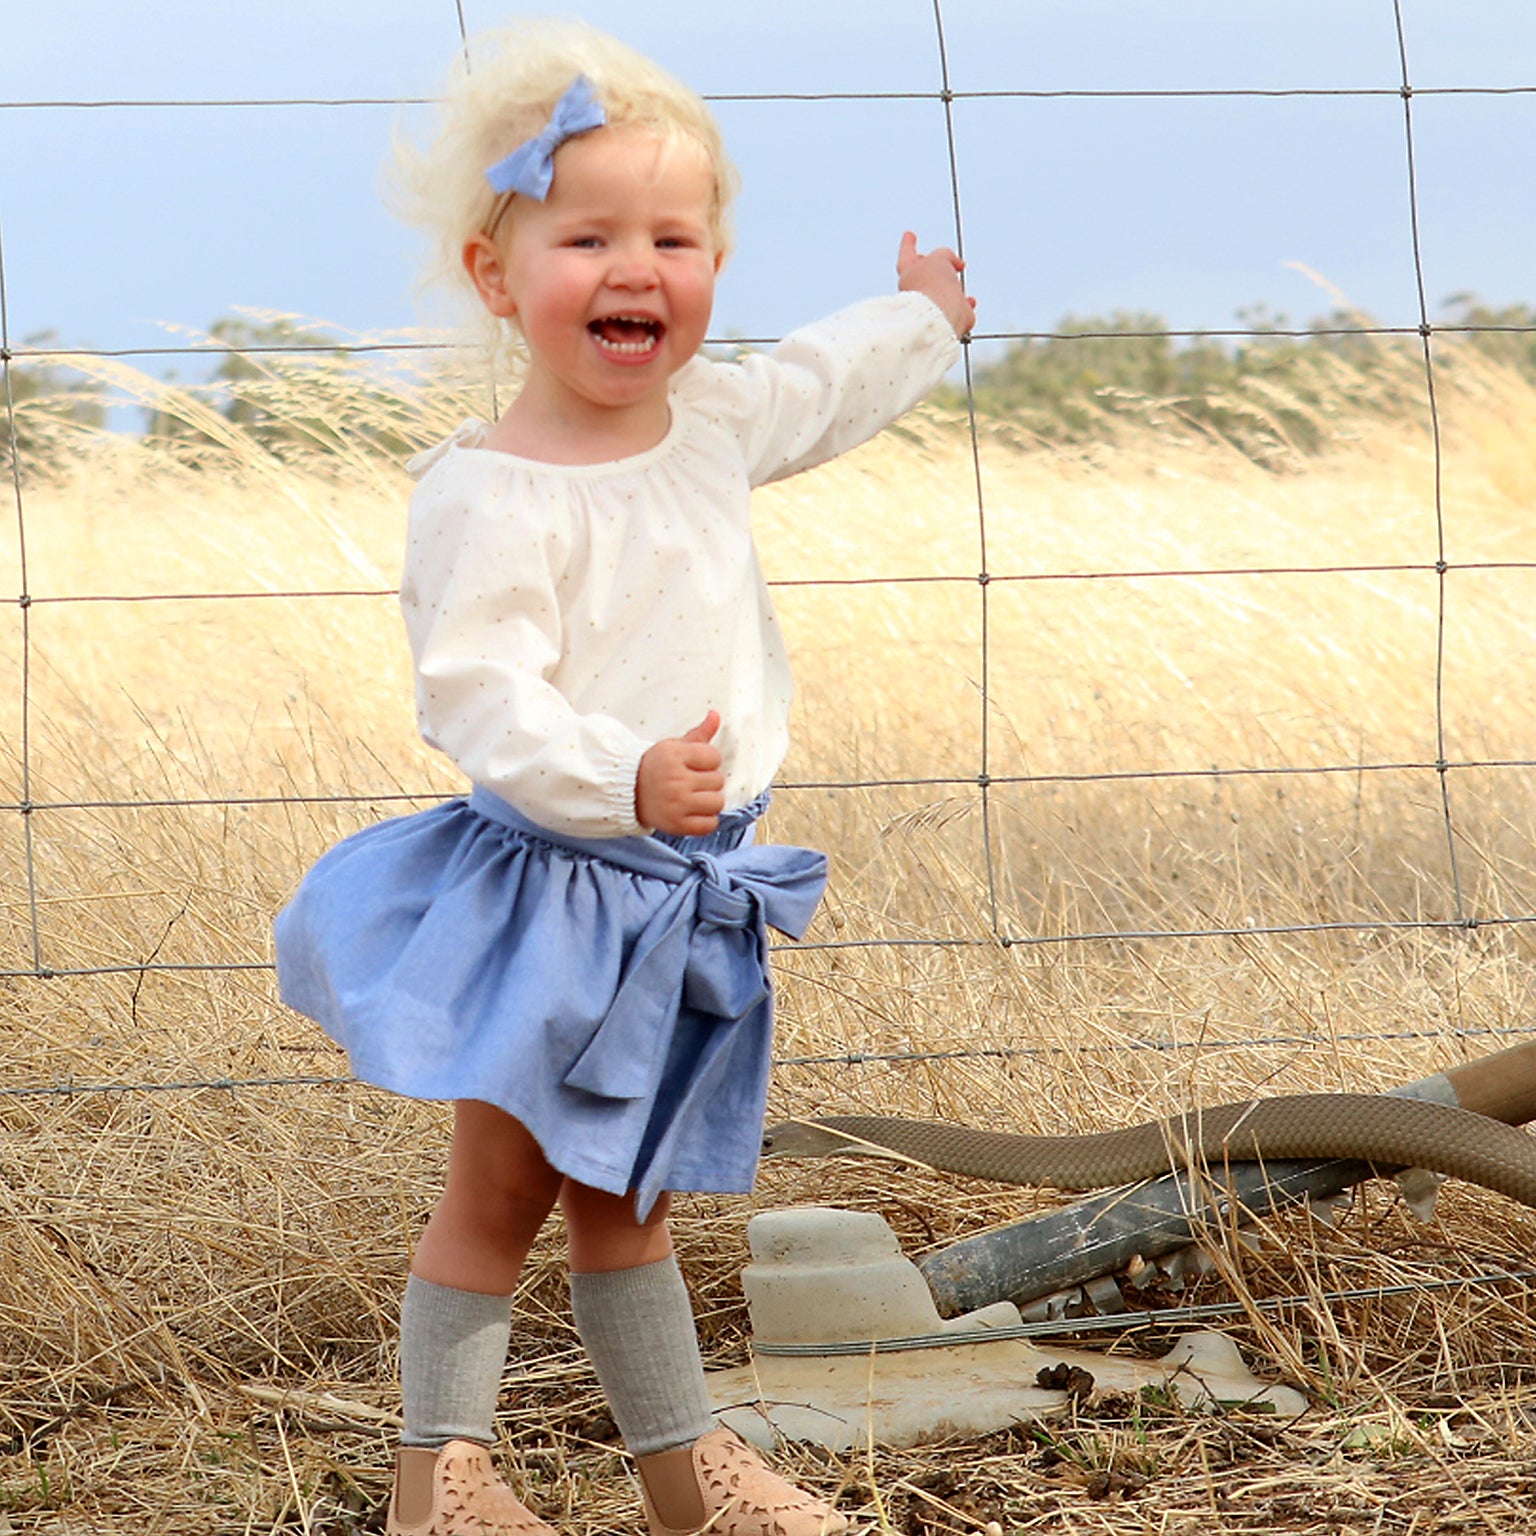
(937, 274)
(680, 787)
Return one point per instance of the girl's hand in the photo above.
(936, 274)
(679, 787)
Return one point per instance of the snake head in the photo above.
(800, 1138)
(831, 1136)
(778, 1140)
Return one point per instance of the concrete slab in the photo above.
(912, 1396)
(820, 1275)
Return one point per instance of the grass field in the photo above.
(198, 1284)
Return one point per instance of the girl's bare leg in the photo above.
(455, 1322)
(499, 1190)
(605, 1233)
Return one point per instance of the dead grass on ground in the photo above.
(198, 1285)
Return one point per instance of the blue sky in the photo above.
(122, 223)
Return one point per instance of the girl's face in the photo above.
(611, 279)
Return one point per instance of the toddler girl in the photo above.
(575, 953)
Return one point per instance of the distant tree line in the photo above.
(275, 386)
(1274, 391)
(1271, 391)
(290, 389)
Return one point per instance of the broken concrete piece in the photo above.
(827, 1276)
(838, 1277)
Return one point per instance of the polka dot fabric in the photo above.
(565, 617)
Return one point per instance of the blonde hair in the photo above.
(499, 95)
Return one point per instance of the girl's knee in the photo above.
(585, 1206)
(496, 1166)
(606, 1234)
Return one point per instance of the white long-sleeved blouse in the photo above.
(564, 618)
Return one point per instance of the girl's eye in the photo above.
(586, 242)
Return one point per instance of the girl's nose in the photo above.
(632, 268)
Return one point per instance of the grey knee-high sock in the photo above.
(637, 1326)
(453, 1346)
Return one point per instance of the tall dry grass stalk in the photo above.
(199, 1284)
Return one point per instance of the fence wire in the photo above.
(34, 809)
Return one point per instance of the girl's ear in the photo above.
(488, 272)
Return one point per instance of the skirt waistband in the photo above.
(659, 854)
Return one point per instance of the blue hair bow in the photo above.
(530, 168)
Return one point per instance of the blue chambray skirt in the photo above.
(611, 994)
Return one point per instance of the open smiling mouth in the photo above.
(629, 335)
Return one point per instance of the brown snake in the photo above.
(1383, 1129)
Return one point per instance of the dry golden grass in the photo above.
(198, 1285)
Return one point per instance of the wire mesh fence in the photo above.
(1180, 756)
(1468, 878)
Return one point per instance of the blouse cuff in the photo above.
(620, 792)
(940, 329)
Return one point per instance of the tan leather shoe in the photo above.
(455, 1492)
(721, 1486)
